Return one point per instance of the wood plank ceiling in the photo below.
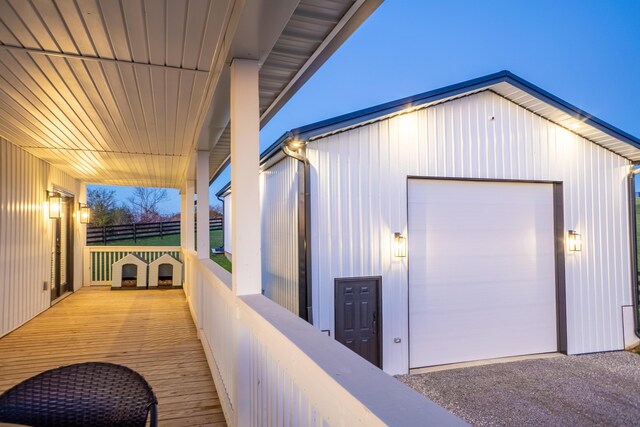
(108, 91)
(112, 92)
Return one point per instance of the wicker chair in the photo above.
(84, 394)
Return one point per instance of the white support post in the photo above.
(183, 226)
(188, 216)
(202, 183)
(245, 186)
(245, 215)
(81, 267)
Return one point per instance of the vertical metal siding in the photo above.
(358, 200)
(26, 234)
(279, 204)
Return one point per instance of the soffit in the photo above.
(314, 31)
(583, 124)
(108, 91)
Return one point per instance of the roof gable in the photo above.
(504, 83)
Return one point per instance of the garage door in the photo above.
(481, 270)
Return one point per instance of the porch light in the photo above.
(55, 206)
(574, 241)
(399, 245)
(85, 213)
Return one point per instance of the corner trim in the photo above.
(633, 249)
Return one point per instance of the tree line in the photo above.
(141, 207)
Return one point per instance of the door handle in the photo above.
(374, 324)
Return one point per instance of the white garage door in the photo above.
(481, 270)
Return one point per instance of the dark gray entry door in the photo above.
(62, 257)
(358, 319)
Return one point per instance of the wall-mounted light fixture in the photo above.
(295, 144)
(399, 245)
(85, 213)
(574, 241)
(55, 205)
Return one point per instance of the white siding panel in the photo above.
(279, 204)
(26, 234)
(358, 188)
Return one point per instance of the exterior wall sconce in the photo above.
(574, 241)
(55, 206)
(399, 245)
(85, 213)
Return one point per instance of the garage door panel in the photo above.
(456, 240)
(478, 270)
(481, 270)
(481, 218)
(483, 300)
(439, 326)
(460, 335)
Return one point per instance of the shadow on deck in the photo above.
(149, 331)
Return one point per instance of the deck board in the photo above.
(150, 331)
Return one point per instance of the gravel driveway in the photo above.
(597, 389)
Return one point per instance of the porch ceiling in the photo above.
(119, 92)
(314, 31)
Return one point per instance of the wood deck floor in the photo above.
(149, 331)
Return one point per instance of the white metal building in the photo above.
(165, 93)
(483, 181)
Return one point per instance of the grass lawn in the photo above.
(174, 240)
(171, 240)
(222, 261)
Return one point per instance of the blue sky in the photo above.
(586, 52)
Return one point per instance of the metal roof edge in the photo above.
(347, 25)
(224, 190)
(267, 154)
(343, 121)
(570, 109)
(275, 147)
(221, 168)
(335, 123)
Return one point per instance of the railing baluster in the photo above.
(271, 367)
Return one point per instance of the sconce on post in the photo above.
(55, 205)
(399, 245)
(574, 241)
(85, 213)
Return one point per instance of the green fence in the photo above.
(102, 258)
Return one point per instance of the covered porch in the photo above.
(167, 94)
(150, 332)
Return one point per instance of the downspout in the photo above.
(631, 184)
(305, 299)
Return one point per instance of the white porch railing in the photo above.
(272, 368)
(99, 259)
